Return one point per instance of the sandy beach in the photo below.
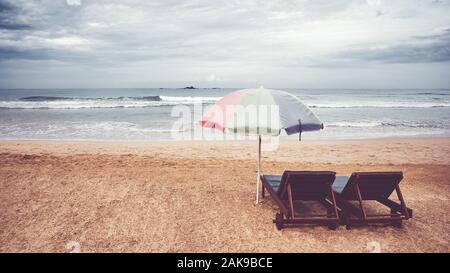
(199, 196)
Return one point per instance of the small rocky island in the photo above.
(189, 87)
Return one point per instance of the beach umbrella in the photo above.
(260, 111)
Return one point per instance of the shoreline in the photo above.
(284, 138)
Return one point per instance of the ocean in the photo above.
(147, 114)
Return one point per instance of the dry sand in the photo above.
(199, 196)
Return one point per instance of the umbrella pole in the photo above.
(258, 170)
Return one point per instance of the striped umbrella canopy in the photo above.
(260, 111)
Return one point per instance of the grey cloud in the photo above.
(163, 29)
(134, 27)
(422, 49)
(10, 53)
(379, 13)
(225, 36)
(8, 17)
(12, 26)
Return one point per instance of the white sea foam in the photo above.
(369, 124)
(189, 99)
(120, 102)
(83, 130)
(353, 124)
(155, 101)
(378, 104)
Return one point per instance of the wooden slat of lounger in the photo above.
(383, 215)
(394, 205)
(310, 221)
(382, 220)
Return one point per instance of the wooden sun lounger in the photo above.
(375, 186)
(295, 186)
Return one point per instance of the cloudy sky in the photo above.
(172, 43)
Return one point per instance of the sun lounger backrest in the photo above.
(372, 185)
(307, 185)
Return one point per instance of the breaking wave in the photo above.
(408, 124)
(54, 102)
(51, 102)
(376, 104)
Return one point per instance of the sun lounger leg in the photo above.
(360, 201)
(396, 222)
(291, 202)
(279, 221)
(402, 202)
(333, 210)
